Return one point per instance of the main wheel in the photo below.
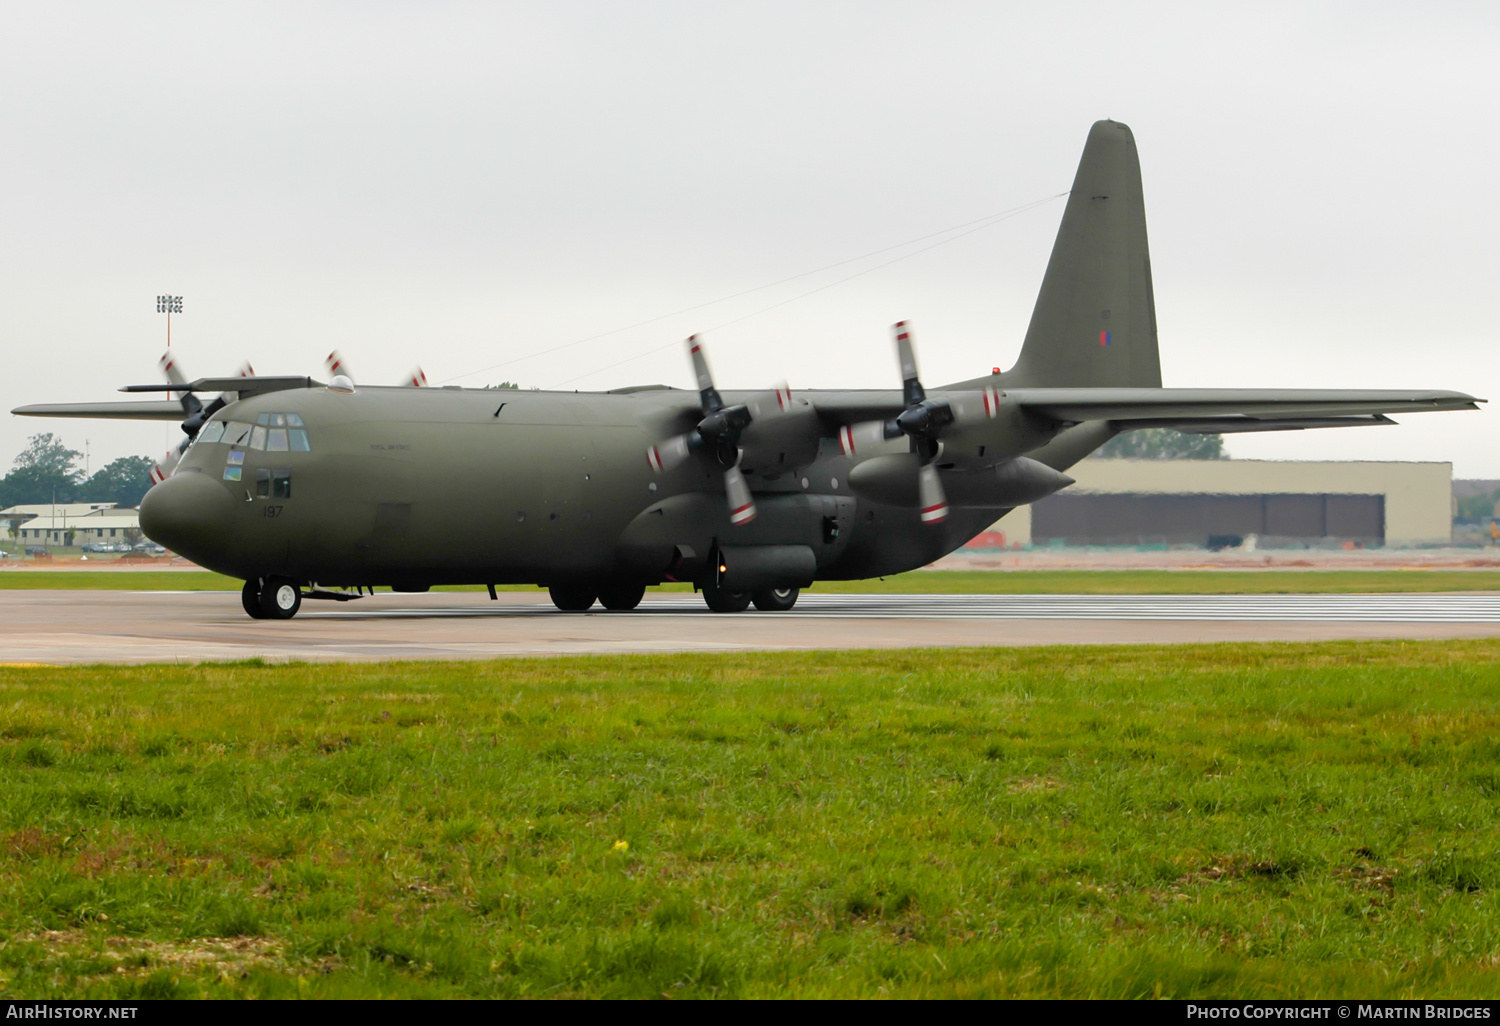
(250, 598)
(721, 600)
(621, 596)
(280, 598)
(775, 600)
(572, 598)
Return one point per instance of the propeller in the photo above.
(195, 414)
(335, 365)
(923, 421)
(719, 433)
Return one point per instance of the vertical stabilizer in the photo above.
(1095, 319)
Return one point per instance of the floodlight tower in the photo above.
(169, 305)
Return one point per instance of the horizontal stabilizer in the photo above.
(105, 411)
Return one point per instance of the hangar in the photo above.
(1216, 503)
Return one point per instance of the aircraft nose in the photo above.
(185, 513)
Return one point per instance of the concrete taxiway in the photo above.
(138, 627)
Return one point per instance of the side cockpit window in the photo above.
(212, 431)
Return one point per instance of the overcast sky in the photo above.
(470, 186)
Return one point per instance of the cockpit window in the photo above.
(212, 431)
(276, 432)
(236, 433)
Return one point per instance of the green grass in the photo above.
(1008, 582)
(1228, 820)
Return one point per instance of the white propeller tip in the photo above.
(742, 515)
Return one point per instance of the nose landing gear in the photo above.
(271, 598)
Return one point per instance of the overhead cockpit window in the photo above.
(212, 431)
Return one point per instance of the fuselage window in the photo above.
(236, 457)
(258, 437)
(299, 440)
(232, 473)
(281, 487)
(236, 433)
(276, 439)
(212, 431)
(263, 483)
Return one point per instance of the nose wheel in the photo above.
(271, 598)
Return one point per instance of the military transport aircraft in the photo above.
(312, 490)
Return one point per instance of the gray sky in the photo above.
(462, 185)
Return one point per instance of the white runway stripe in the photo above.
(1449, 607)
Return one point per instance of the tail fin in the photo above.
(1095, 319)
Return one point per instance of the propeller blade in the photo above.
(669, 454)
(911, 387)
(416, 379)
(171, 371)
(741, 505)
(162, 468)
(335, 365)
(930, 498)
(712, 403)
(862, 439)
(771, 404)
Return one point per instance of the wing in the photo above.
(245, 386)
(1171, 406)
(105, 411)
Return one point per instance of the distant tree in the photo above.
(1475, 508)
(123, 482)
(1163, 444)
(44, 469)
(504, 384)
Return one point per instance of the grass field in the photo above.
(1007, 582)
(1232, 820)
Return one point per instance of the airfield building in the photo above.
(1224, 503)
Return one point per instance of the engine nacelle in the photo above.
(892, 481)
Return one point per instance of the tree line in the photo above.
(48, 471)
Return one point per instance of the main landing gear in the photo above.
(619, 596)
(767, 600)
(271, 598)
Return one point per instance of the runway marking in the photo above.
(1450, 607)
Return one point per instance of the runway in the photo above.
(137, 627)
